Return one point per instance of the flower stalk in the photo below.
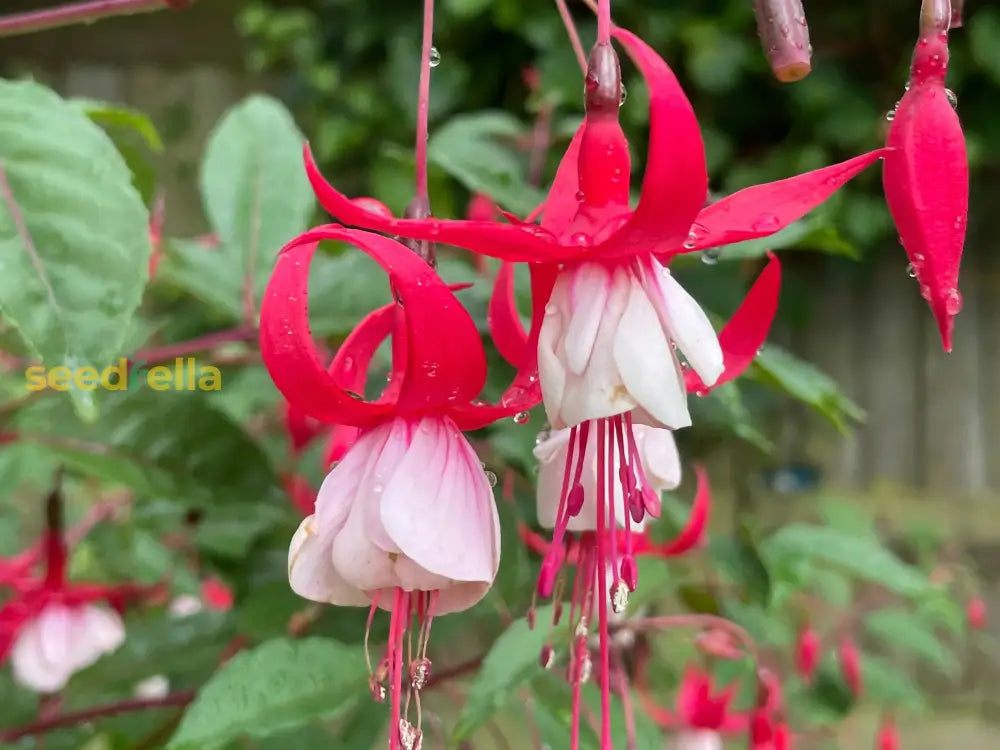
(80, 13)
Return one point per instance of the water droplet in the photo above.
(785, 31)
(911, 271)
(491, 477)
(695, 234)
(953, 301)
(907, 86)
(918, 259)
(952, 98)
(431, 369)
(925, 291)
(522, 417)
(710, 256)
(766, 223)
(435, 58)
(802, 21)
(580, 238)
(580, 196)
(623, 97)
(541, 437)
(890, 115)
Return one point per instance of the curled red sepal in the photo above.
(301, 429)
(926, 178)
(562, 201)
(743, 336)
(692, 533)
(509, 336)
(520, 242)
(850, 665)
(762, 210)
(444, 363)
(784, 34)
(532, 539)
(675, 181)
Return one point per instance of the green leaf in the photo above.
(470, 148)
(208, 274)
(984, 29)
(781, 369)
(162, 444)
(275, 687)
(723, 408)
(73, 234)
(117, 116)
(903, 630)
(254, 187)
(864, 556)
(886, 684)
(738, 558)
(512, 661)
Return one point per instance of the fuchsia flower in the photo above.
(608, 316)
(701, 716)
(406, 520)
(926, 174)
(50, 628)
(888, 735)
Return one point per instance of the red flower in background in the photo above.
(926, 172)
(807, 653)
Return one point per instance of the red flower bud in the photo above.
(926, 174)
(850, 665)
(784, 33)
(975, 613)
(807, 653)
(888, 735)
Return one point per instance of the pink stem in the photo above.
(574, 37)
(200, 344)
(424, 100)
(55, 545)
(604, 22)
(74, 13)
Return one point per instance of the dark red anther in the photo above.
(546, 656)
(629, 572)
(547, 575)
(636, 505)
(651, 500)
(574, 500)
(627, 478)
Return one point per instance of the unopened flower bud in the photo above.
(604, 82)
(975, 613)
(784, 34)
(807, 653)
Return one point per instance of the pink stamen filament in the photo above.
(612, 535)
(602, 585)
(397, 626)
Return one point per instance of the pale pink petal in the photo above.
(600, 391)
(438, 507)
(551, 370)
(646, 362)
(311, 573)
(589, 288)
(360, 562)
(99, 631)
(552, 454)
(699, 740)
(686, 323)
(659, 456)
(31, 667)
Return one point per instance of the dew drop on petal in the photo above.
(891, 115)
(491, 477)
(766, 222)
(522, 417)
(710, 256)
(580, 238)
(541, 437)
(953, 301)
(435, 58)
(580, 196)
(623, 97)
(911, 271)
(952, 98)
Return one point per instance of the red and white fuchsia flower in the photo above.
(51, 628)
(406, 520)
